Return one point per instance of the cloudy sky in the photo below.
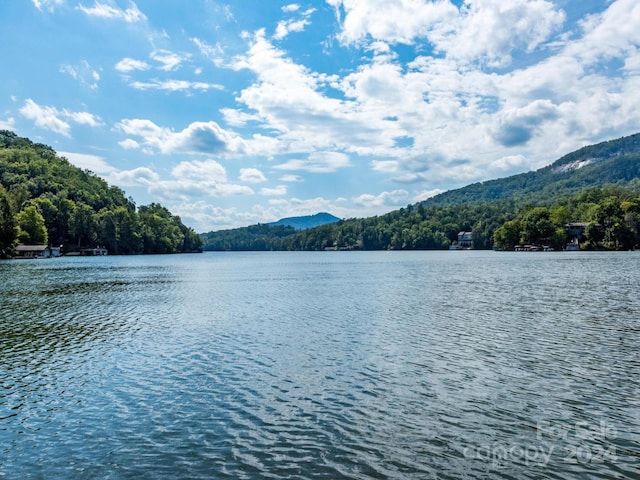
(238, 112)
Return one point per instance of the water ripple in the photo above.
(358, 366)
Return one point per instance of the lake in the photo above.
(302, 365)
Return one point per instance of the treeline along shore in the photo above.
(589, 198)
(44, 200)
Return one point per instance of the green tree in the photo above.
(560, 215)
(192, 242)
(65, 210)
(594, 235)
(7, 225)
(82, 224)
(631, 211)
(49, 212)
(508, 235)
(160, 231)
(610, 215)
(31, 227)
(537, 227)
(18, 196)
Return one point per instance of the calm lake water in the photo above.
(321, 365)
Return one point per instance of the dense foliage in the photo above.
(256, 237)
(610, 217)
(44, 199)
(527, 208)
(412, 228)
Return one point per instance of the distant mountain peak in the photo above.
(307, 221)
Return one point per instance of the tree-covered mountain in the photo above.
(595, 184)
(307, 221)
(46, 200)
(606, 163)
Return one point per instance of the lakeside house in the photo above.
(88, 252)
(575, 232)
(93, 252)
(36, 251)
(572, 246)
(464, 242)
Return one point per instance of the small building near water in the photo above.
(575, 230)
(465, 241)
(93, 252)
(36, 251)
(87, 252)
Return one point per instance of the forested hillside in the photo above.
(598, 185)
(607, 218)
(46, 200)
(607, 163)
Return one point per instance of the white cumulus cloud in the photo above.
(169, 61)
(127, 65)
(317, 162)
(385, 199)
(95, 163)
(251, 175)
(175, 85)
(7, 124)
(49, 5)
(292, 7)
(280, 190)
(206, 170)
(479, 30)
(141, 176)
(104, 10)
(199, 137)
(55, 120)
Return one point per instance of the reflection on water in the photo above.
(321, 365)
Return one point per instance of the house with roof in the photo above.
(465, 241)
(575, 230)
(36, 251)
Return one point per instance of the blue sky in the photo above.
(238, 112)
